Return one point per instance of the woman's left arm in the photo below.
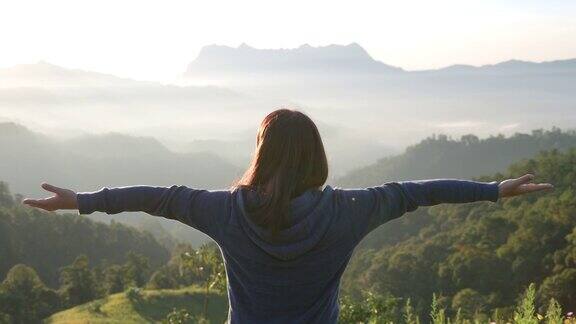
(371, 207)
(433, 192)
(409, 195)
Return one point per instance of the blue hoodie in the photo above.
(294, 277)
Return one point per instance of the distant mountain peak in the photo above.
(45, 74)
(46, 63)
(245, 46)
(10, 127)
(38, 67)
(224, 60)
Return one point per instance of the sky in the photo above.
(155, 40)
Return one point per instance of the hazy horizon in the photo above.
(365, 108)
(156, 40)
(179, 74)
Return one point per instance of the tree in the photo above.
(207, 262)
(470, 139)
(183, 316)
(114, 280)
(409, 316)
(373, 308)
(77, 282)
(5, 196)
(469, 301)
(554, 313)
(24, 297)
(136, 270)
(161, 280)
(561, 287)
(526, 310)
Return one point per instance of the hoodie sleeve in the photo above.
(195, 207)
(371, 207)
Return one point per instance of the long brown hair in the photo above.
(289, 159)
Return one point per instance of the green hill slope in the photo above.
(149, 306)
(480, 256)
(470, 156)
(442, 157)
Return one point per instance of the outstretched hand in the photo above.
(520, 186)
(63, 199)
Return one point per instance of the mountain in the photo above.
(345, 148)
(352, 59)
(516, 66)
(67, 101)
(466, 157)
(44, 81)
(440, 157)
(225, 60)
(75, 103)
(114, 145)
(340, 85)
(43, 74)
(343, 83)
(90, 162)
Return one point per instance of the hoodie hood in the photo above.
(310, 216)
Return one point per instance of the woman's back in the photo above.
(292, 276)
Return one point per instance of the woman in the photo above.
(285, 238)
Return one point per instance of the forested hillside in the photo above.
(49, 241)
(443, 157)
(480, 257)
(50, 262)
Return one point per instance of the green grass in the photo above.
(151, 307)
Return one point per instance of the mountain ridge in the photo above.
(330, 58)
(333, 52)
(465, 157)
(90, 162)
(238, 59)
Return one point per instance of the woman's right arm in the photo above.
(195, 207)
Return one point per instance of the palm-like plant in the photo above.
(206, 262)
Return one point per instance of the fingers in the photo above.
(39, 203)
(51, 188)
(30, 202)
(524, 179)
(533, 187)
